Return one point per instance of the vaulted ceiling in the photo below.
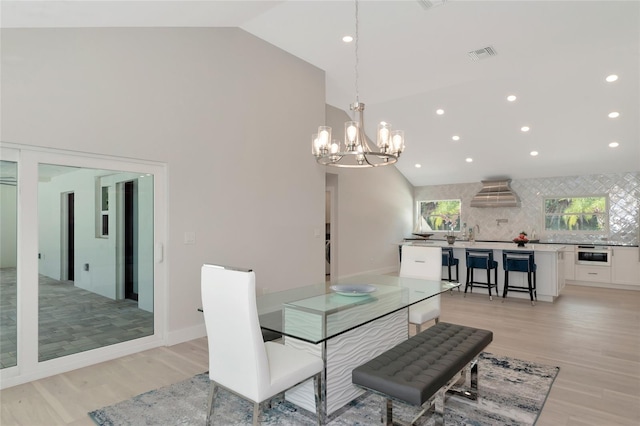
(414, 59)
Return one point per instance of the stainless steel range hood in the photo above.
(496, 193)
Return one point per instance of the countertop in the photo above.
(601, 243)
(503, 245)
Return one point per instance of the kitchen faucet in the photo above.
(472, 233)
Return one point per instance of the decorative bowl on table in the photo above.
(520, 241)
(353, 289)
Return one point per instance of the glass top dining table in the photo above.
(316, 313)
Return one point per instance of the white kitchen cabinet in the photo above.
(560, 271)
(569, 263)
(596, 274)
(625, 265)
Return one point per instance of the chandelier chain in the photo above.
(357, 57)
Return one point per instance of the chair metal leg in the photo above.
(506, 284)
(489, 283)
(213, 390)
(530, 288)
(256, 413)
(469, 282)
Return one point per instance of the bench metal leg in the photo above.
(464, 383)
(387, 412)
(438, 407)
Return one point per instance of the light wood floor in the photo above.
(592, 334)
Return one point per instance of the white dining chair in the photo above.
(425, 263)
(239, 360)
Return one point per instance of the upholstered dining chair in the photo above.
(425, 263)
(239, 359)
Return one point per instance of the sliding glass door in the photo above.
(8, 263)
(82, 276)
(95, 258)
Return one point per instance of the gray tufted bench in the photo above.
(422, 369)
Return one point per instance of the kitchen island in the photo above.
(549, 259)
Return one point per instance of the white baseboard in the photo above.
(13, 376)
(604, 285)
(186, 334)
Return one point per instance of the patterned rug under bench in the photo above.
(511, 392)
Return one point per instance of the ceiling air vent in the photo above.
(428, 4)
(484, 53)
(496, 193)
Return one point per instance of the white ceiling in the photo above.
(553, 55)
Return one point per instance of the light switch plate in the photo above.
(190, 237)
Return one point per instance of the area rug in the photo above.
(511, 392)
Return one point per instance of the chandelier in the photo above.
(355, 151)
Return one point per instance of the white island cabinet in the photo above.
(625, 265)
(550, 275)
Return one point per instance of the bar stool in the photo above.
(481, 259)
(448, 260)
(520, 261)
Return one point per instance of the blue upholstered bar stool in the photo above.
(448, 260)
(520, 261)
(481, 259)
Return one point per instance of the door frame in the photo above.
(28, 157)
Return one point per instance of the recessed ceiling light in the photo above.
(439, 111)
(347, 39)
(511, 98)
(611, 78)
(614, 114)
(533, 153)
(614, 145)
(418, 166)
(455, 137)
(524, 128)
(469, 160)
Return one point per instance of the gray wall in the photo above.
(623, 190)
(210, 103)
(373, 211)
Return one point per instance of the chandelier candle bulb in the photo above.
(324, 135)
(351, 134)
(398, 141)
(383, 135)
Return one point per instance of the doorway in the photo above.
(68, 237)
(331, 219)
(129, 241)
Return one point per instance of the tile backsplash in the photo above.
(504, 223)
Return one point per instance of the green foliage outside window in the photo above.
(576, 214)
(439, 215)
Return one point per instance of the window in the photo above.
(439, 215)
(588, 214)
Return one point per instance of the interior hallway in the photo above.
(70, 319)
